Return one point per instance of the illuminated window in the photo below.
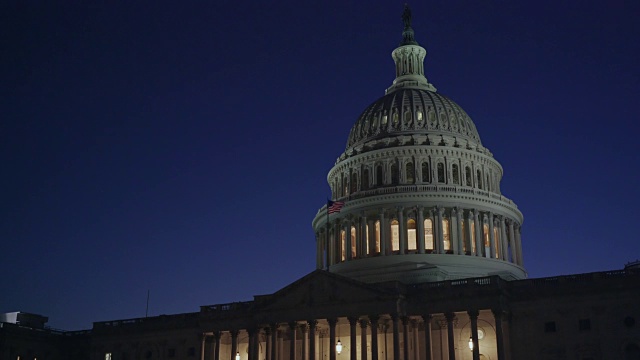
(379, 178)
(384, 120)
(425, 172)
(343, 255)
(467, 172)
(409, 172)
(456, 174)
(395, 235)
(487, 245)
(445, 234)
(394, 174)
(440, 172)
(479, 179)
(428, 234)
(353, 242)
(378, 236)
(419, 116)
(107, 356)
(411, 235)
(395, 118)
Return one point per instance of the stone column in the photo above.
(478, 226)
(312, 339)
(353, 335)
(372, 237)
(440, 243)
(274, 341)
(332, 338)
(234, 344)
(303, 330)
(512, 241)
(267, 333)
(347, 239)
(450, 336)
(428, 353)
(363, 339)
(203, 345)
(497, 314)
(216, 344)
(492, 238)
(363, 237)
(460, 236)
(292, 340)
(470, 234)
(396, 337)
(405, 337)
(453, 236)
(383, 233)
(402, 231)
(503, 239)
(420, 233)
(251, 352)
(519, 245)
(373, 319)
(473, 316)
(416, 341)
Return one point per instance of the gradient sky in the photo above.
(183, 147)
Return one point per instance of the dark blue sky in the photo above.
(183, 147)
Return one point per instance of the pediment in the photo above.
(323, 289)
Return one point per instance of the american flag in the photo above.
(334, 206)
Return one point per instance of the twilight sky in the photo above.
(183, 147)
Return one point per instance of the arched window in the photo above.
(426, 175)
(384, 120)
(354, 182)
(479, 179)
(353, 242)
(411, 235)
(419, 116)
(456, 174)
(394, 174)
(487, 244)
(440, 172)
(428, 235)
(365, 179)
(378, 237)
(432, 117)
(395, 119)
(445, 235)
(467, 172)
(496, 237)
(379, 178)
(395, 235)
(408, 169)
(343, 254)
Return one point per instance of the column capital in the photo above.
(293, 324)
(450, 316)
(303, 327)
(332, 321)
(498, 313)
(473, 313)
(217, 334)
(312, 323)
(267, 330)
(374, 319)
(427, 317)
(352, 320)
(364, 323)
(234, 332)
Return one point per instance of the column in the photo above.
(363, 339)
(203, 337)
(450, 339)
(267, 332)
(440, 242)
(362, 237)
(373, 319)
(416, 341)
(292, 340)
(420, 227)
(512, 240)
(486, 252)
(274, 341)
(383, 233)
(216, 344)
(492, 238)
(470, 234)
(234, 344)
(453, 237)
(503, 239)
(428, 353)
(460, 219)
(478, 226)
(402, 231)
(347, 239)
(372, 237)
(303, 330)
(405, 337)
(519, 245)
(353, 323)
(312, 339)
(396, 337)
(332, 338)
(252, 344)
(473, 316)
(497, 314)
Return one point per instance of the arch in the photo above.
(440, 172)
(468, 177)
(379, 177)
(353, 242)
(455, 172)
(479, 176)
(395, 235)
(426, 175)
(365, 179)
(409, 173)
(446, 235)
(428, 235)
(412, 243)
(394, 174)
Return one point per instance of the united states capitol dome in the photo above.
(415, 196)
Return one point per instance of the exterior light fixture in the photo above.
(238, 355)
(338, 347)
(471, 344)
